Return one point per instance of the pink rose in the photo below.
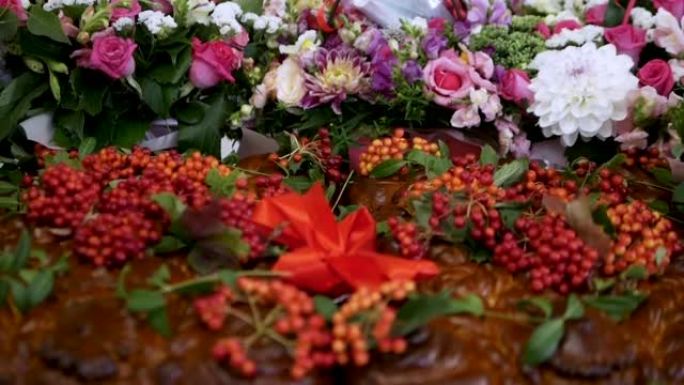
(241, 39)
(213, 62)
(657, 74)
(566, 24)
(447, 78)
(15, 7)
(544, 30)
(596, 15)
(675, 7)
(110, 54)
(515, 86)
(627, 39)
(120, 10)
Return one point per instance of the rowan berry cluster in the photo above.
(646, 159)
(236, 212)
(393, 147)
(411, 243)
(467, 176)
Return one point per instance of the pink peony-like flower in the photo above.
(128, 8)
(596, 15)
(15, 7)
(675, 7)
(657, 74)
(566, 24)
(448, 79)
(627, 39)
(110, 54)
(515, 86)
(213, 62)
(544, 30)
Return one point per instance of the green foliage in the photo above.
(44, 23)
(511, 49)
(420, 309)
(510, 173)
(8, 24)
(526, 23)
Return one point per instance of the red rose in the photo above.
(437, 23)
(596, 15)
(515, 86)
(566, 24)
(627, 39)
(675, 7)
(213, 62)
(657, 74)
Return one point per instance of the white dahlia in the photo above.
(581, 91)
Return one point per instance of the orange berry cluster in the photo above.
(369, 314)
(393, 147)
(642, 234)
(467, 175)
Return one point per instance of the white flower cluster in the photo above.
(157, 22)
(25, 4)
(123, 23)
(225, 17)
(52, 5)
(270, 24)
(553, 7)
(199, 11)
(642, 18)
(581, 91)
(580, 36)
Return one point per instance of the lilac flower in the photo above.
(341, 72)
(500, 14)
(383, 62)
(482, 13)
(433, 43)
(412, 71)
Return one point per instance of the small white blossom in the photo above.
(225, 18)
(52, 5)
(586, 34)
(25, 4)
(157, 22)
(123, 23)
(307, 43)
(545, 6)
(199, 11)
(642, 18)
(593, 3)
(270, 24)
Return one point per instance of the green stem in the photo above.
(215, 278)
(241, 316)
(653, 185)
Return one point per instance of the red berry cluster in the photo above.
(270, 186)
(236, 212)
(647, 159)
(612, 186)
(62, 198)
(540, 181)
(406, 234)
(642, 234)
(369, 316)
(467, 175)
(290, 314)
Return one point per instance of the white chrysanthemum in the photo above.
(157, 22)
(225, 18)
(123, 23)
(199, 11)
(580, 36)
(581, 91)
(642, 18)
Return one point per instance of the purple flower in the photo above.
(482, 13)
(382, 62)
(433, 43)
(500, 14)
(412, 71)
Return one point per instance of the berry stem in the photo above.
(240, 315)
(344, 187)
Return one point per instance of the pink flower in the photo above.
(627, 39)
(668, 32)
(448, 79)
(596, 15)
(163, 6)
(657, 74)
(213, 62)
(110, 54)
(544, 30)
(68, 25)
(130, 10)
(566, 24)
(15, 7)
(675, 7)
(515, 86)
(241, 39)
(437, 23)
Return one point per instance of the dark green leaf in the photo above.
(16, 99)
(574, 308)
(20, 295)
(636, 272)
(299, 183)
(382, 228)
(254, 6)
(6, 261)
(44, 23)
(160, 277)
(7, 188)
(159, 321)
(510, 173)
(40, 287)
(541, 303)
(470, 304)
(168, 244)
(509, 216)
(8, 28)
(600, 216)
(229, 277)
(346, 210)
(144, 300)
(172, 73)
(618, 307)
(388, 168)
(205, 135)
(159, 98)
(678, 195)
(128, 132)
(434, 166)
(421, 309)
(444, 150)
(615, 161)
(22, 251)
(422, 212)
(4, 290)
(544, 342)
(325, 306)
(70, 125)
(488, 155)
(480, 255)
(173, 206)
(663, 176)
(660, 206)
(87, 147)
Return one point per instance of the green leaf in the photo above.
(636, 272)
(4, 291)
(544, 341)
(488, 155)
(480, 255)
(470, 304)
(388, 168)
(663, 176)
(172, 73)
(325, 306)
(128, 132)
(16, 99)
(40, 287)
(20, 295)
(121, 282)
(87, 147)
(678, 196)
(422, 211)
(22, 251)
(8, 29)
(158, 320)
(299, 183)
(600, 216)
(444, 150)
(145, 300)
(222, 186)
(660, 206)
(678, 150)
(509, 216)
(173, 206)
(44, 23)
(346, 210)
(601, 284)
(574, 308)
(510, 173)
(541, 303)
(54, 86)
(619, 307)
(159, 98)
(160, 277)
(229, 277)
(421, 309)
(382, 228)
(7, 188)
(205, 134)
(615, 161)
(169, 244)
(254, 6)
(434, 166)
(614, 14)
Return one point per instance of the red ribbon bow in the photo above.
(327, 256)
